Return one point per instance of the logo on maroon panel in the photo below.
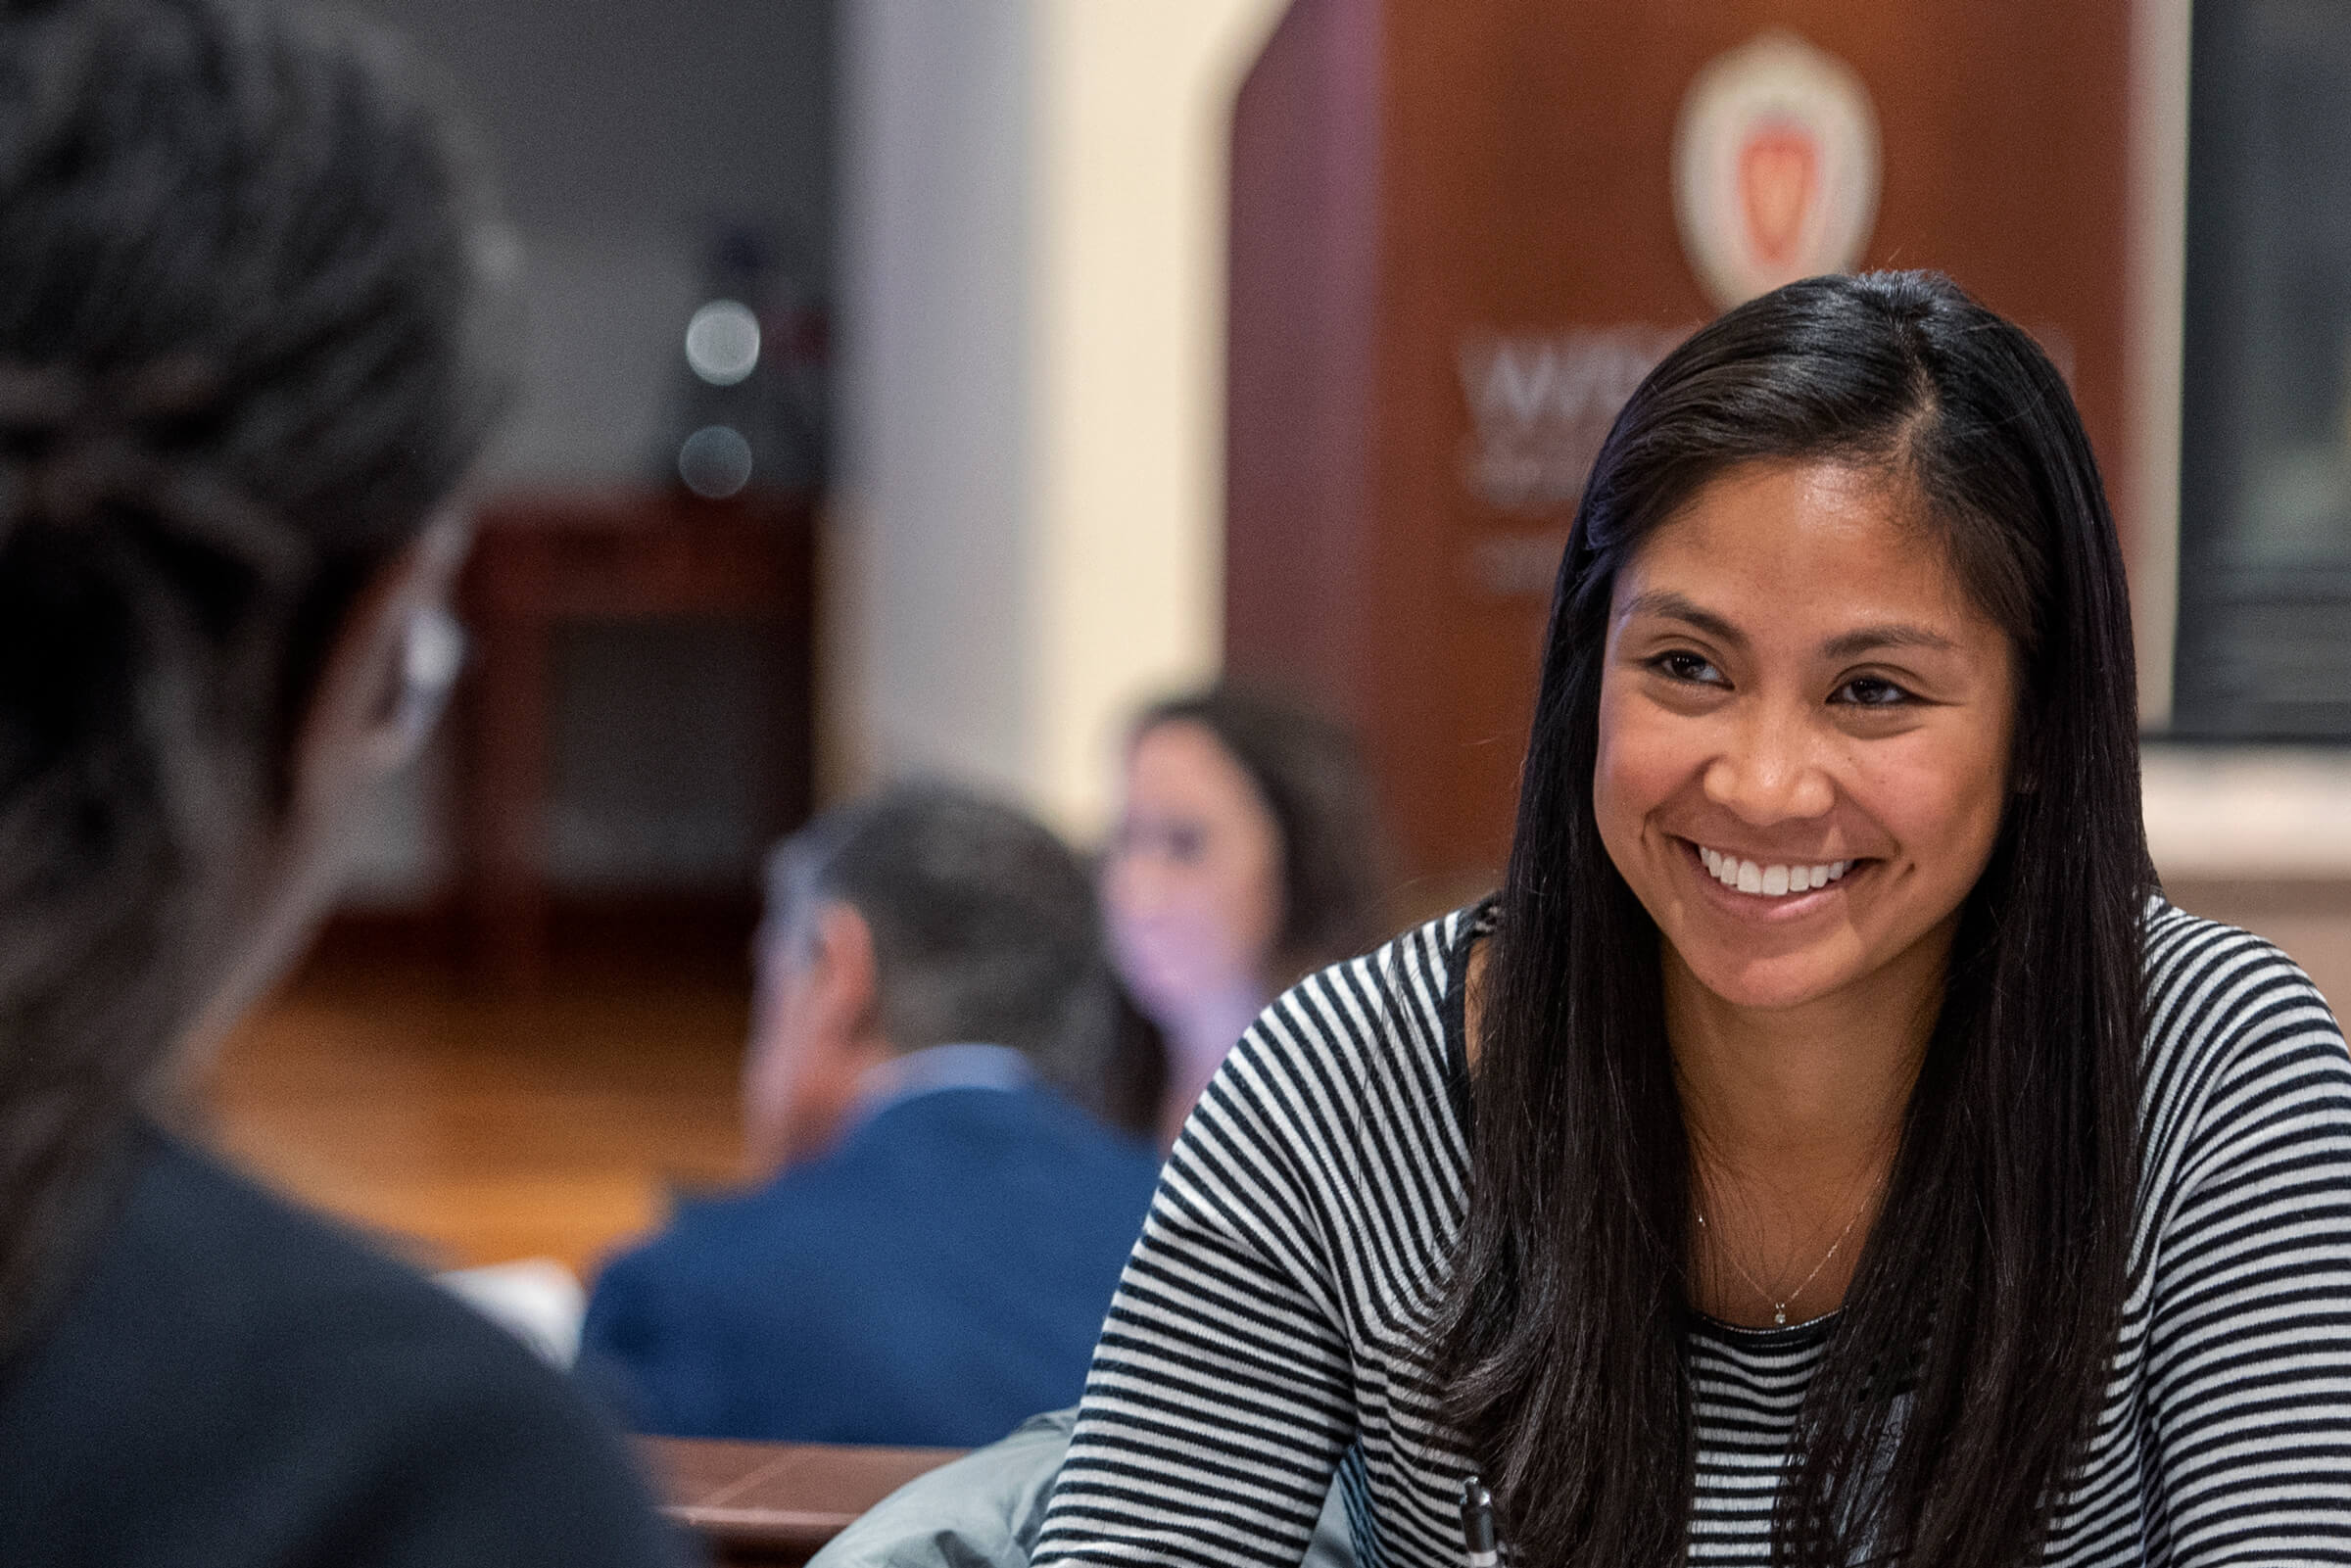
(1775, 167)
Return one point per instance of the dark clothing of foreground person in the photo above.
(234, 1382)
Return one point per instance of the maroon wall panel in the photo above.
(1420, 187)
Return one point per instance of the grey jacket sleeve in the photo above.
(983, 1511)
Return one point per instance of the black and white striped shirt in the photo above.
(1270, 1325)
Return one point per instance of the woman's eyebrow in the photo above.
(1891, 634)
(1672, 606)
(1667, 604)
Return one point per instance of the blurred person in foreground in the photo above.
(1247, 855)
(248, 301)
(931, 1257)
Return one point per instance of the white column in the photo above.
(1030, 533)
(930, 590)
(1135, 117)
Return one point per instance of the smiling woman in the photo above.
(1797, 681)
(1828, 1147)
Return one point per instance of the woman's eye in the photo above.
(1869, 692)
(1683, 665)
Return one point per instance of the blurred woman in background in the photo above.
(249, 339)
(1246, 855)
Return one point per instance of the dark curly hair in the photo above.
(251, 333)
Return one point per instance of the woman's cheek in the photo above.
(1938, 795)
(1178, 940)
(1642, 758)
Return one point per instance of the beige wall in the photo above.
(1029, 537)
(2259, 838)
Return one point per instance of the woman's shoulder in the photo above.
(2231, 1022)
(1339, 1122)
(2208, 983)
(1396, 993)
(332, 1303)
(1379, 1028)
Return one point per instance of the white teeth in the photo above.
(1769, 882)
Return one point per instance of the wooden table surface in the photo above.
(777, 1502)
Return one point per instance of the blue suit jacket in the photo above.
(937, 1278)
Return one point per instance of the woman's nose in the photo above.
(1770, 772)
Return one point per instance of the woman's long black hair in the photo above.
(1966, 1369)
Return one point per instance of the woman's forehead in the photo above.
(1775, 542)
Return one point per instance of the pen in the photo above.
(1477, 1524)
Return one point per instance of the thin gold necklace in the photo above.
(1779, 1308)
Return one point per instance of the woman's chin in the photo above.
(1171, 980)
(1773, 984)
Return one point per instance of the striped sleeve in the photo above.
(2247, 1391)
(1219, 1400)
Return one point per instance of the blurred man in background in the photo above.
(941, 1231)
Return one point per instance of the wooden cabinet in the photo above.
(542, 560)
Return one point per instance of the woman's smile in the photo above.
(1766, 888)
